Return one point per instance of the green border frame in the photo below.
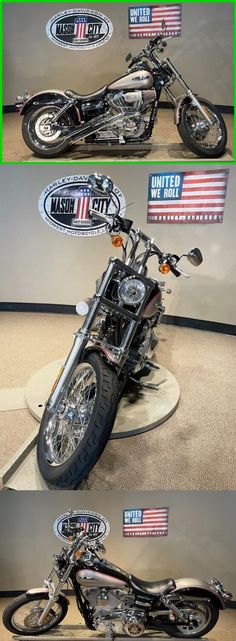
(114, 162)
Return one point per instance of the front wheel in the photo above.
(21, 616)
(72, 438)
(205, 140)
(41, 135)
(202, 617)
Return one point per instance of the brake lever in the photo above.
(181, 272)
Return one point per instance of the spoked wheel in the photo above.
(72, 439)
(202, 617)
(22, 615)
(204, 139)
(43, 136)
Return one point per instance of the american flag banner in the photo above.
(82, 211)
(146, 22)
(187, 197)
(146, 521)
(80, 27)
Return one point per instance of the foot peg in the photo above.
(152, 365)
(147, 385)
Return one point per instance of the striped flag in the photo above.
(82, 211)
(80, 27)
(146, 521)
(146, 22)
(187, 197)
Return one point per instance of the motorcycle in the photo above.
(114, 347)
(125, 111)
(108, 597)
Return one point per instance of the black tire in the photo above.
(21, 600)
(214, 615)
(195, 146)
(69, 474)
(44, 150)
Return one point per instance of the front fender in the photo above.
(179, 104)
(52, 96)
(196, 587)
(44, 590)
(178, 107)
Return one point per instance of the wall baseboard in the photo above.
(225, 109)
(179, 321)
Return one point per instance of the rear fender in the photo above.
(198, 588)
(44, 590)
(52, 97)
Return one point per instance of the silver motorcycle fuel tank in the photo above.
(90, 578)
(140, 79)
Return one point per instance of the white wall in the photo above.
(41, 265)
(200, 543)
(204, 52)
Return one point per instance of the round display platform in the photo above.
(140, 409)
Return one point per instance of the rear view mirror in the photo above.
(195, 257)
(128, 57)
(101, 183)
(163, 24)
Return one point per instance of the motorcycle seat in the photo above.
(152, 587)
(89, 96)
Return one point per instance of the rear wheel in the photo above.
(21, 615)
(203, 616)
(41, 135)
(205, 140)
(72, 439)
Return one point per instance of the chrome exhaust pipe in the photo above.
(94, 125)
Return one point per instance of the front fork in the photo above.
(53, 593)
(189, 93)
(80, 342)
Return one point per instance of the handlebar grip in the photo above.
(155, 40)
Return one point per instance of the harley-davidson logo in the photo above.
(79, 29)
(65, 205)
(93, 524)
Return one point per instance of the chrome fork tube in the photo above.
(189, 93)
(53, 599)
(81, 339)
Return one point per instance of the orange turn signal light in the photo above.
(117, 241)
(164, 268)
(77, 554)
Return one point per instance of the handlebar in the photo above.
(118, 224)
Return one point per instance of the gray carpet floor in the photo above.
(194, 449)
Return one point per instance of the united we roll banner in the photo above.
(146, 21)
(187, 196)
(148, 521)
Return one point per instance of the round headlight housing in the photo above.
(131, 291)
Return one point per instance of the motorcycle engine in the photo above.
(133, 104)
(111, 604)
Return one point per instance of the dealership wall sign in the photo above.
(146, 22)
(187, 196)
(148, 521)
(65, 205)
(93, 524)
(79, 29)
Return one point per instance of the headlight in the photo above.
(131, 291)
